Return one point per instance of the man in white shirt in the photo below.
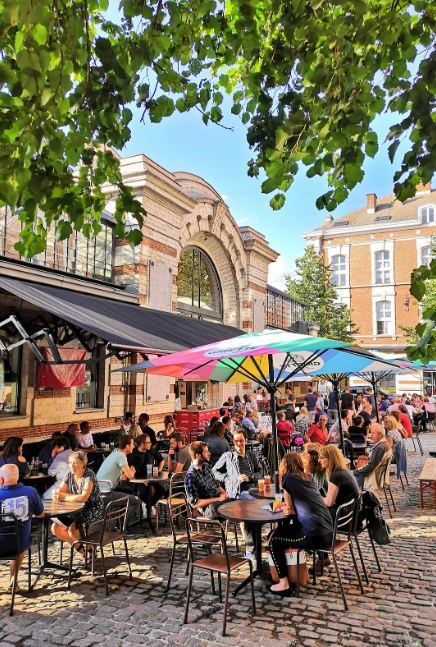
(59, 467)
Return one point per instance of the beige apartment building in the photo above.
(372, 252)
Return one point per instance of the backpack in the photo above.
(371, 512)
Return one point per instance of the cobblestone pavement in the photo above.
(397, 608)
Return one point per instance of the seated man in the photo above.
(115, 467)
(248, 424)
(115, 472)
(144, 455)
(203, 491)
(240, 470)
(143, 421)
(59, 467)
(179, 458)
(24, 502)
(46, 451)
(139, 459)
(370, 468)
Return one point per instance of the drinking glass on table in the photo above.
(267, 479)
(261, 485)
(55, 495)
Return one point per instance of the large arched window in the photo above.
(198, 286)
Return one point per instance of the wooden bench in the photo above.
(427, 480)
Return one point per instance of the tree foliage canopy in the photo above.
(314, 286)
(307, 77)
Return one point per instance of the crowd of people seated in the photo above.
(315, 481)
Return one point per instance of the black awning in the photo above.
(122, 325)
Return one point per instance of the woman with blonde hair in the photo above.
(394, 423)
(310, 525)
(342, 486)
(79, 485)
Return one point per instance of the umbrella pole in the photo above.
(341, 431)
(374, 391)
(273, 410)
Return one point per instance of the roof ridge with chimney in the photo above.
(382, 210)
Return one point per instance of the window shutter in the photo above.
(159, 286)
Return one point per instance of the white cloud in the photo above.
(277, 271)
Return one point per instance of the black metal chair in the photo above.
(385, 487)
(342, 539)
(417, 430)
(10, 536)
(177, 485)
(112, 528)
(179, 511)
(220, 563)
(359, 527)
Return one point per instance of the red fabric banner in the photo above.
(60, 375)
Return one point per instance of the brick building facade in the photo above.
(372, 252)
(187, 225)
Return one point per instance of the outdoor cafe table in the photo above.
(163, 477)
(250, 511)
(54, 509)
(268, 493)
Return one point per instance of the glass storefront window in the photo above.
(9, 380)
(198, 286)
(87, 395)
(429, 379)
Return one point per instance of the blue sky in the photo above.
(183, 142)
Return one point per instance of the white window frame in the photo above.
(383, 267)
(425, 210)
(425, 255)
(386, 318)
(339, 272)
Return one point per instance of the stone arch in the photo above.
(217, 242)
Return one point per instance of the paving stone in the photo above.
(397, 609)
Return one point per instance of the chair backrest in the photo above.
(177, 483)
(178, 510)
(208, 527)
(114, 520)
(382, 470)
(10, 536)
(345, 519)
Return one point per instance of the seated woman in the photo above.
(310, 525)
(12, 454)
(342, 485)
(169, 426)
(79, 485)
(312, 466)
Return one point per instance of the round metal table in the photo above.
(252, 512)
(54, 509)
